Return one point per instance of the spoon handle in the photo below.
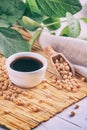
(49, 50)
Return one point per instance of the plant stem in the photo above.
(34, 37)
(47, 25)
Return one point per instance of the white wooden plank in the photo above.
(3, 128)
(58, 124)
(80, 117)
(40, 127)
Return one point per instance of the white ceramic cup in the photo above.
(26, 79)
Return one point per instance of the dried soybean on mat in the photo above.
(25, 109)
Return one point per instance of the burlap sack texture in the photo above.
(75, 50)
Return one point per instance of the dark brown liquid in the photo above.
(26, 64)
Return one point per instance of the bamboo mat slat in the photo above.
(46, 96)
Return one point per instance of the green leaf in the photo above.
(4, 23)
(84, 19)
(65, 32)
(11, 42)
(11, 10)
(73, 25)
(52, 23)
(32, 9)
(30, 23)
(58, 8)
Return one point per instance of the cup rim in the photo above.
(20, 54)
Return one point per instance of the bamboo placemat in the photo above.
(39, 103)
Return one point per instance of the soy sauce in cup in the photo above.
(26, 64)
(26, 69)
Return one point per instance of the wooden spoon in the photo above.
(53, 55)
